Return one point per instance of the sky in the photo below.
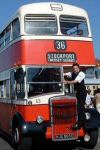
(8, 7)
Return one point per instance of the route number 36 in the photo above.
(60, 44)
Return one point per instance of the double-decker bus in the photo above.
(37, 44)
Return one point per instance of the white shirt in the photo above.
(79, 77)
(89, 100)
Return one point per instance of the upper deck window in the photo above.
(40, 24)
(73, 26)
(15, 28)
(2, 40)
(7, 34)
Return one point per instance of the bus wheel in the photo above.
(90, 140)
(21, 143)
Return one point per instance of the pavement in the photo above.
(6, 145)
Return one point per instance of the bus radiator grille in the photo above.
(63, 116)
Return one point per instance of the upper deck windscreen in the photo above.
(49, 25)
(41, 24)
(73, 26)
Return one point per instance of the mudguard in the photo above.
(94, 121)
(28, 128)
(18, 120)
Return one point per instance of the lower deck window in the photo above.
(1, 89)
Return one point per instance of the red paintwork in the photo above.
(64, 117)
(33, 52)
(29, 113)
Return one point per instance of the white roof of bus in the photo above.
(46, 8)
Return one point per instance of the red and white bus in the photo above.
(38, 43)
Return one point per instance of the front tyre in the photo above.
(19, 142)
(25, 144)
(93, 133)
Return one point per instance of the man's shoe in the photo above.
(75, 127)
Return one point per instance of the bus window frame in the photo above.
(2, 90)
(26, 83)
(12, 33)
(6, 90)
(6, 31)
(3, 40)
(38, 15)
(20, 83)
(75, 17)
(12, 95)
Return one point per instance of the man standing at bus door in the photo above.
(77, 77)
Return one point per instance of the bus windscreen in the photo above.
(73, 26)
(43, 80)
(41, 24)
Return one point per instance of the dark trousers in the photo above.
(81, 97)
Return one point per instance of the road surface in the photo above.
(5, 145)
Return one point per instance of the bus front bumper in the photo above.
(31, 129)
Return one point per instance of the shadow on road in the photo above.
(49, 145)
(57, 145)
(5, 138)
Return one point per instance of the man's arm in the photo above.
(70, 82)
(78, 79)
(68, 74)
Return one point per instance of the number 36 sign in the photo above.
(60, 44)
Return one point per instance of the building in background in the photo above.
(97, 62)
(92, 80)
(92, 84)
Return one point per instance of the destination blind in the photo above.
(61, 57)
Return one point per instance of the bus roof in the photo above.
(49, 8)
(52, 7)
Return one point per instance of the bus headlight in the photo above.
(86, 138)
(88, 115)
(39, 119)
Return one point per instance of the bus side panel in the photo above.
(30, 113)
(12, 56)
(5, 117)
(36, 49)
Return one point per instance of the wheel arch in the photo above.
(17, 120)
(94, 121)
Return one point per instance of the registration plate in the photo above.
(65, 137)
